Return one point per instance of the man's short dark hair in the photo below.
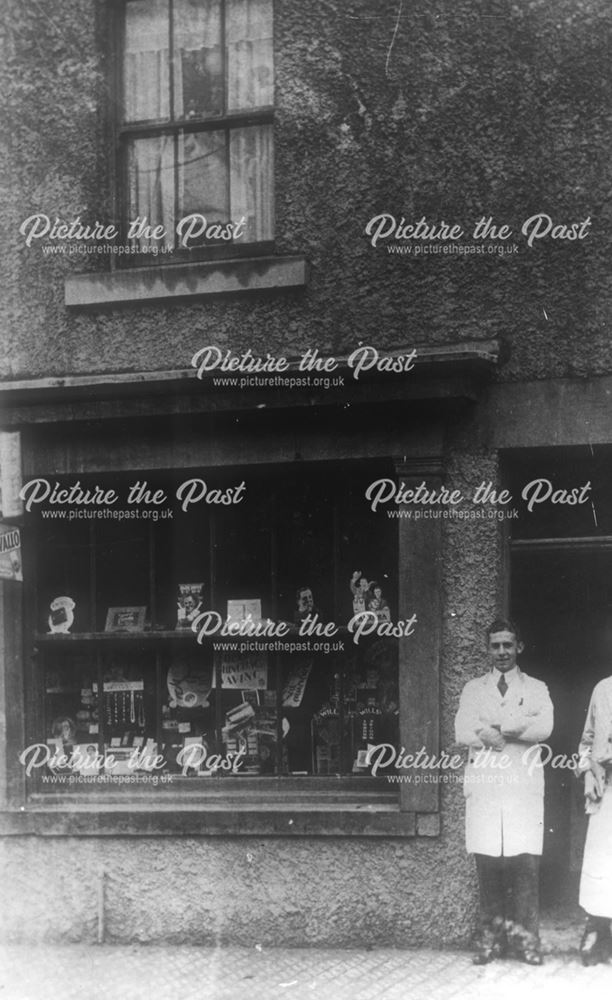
(503, 625)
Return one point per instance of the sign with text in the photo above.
(244, 673)
(10, 553)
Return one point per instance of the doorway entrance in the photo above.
(562, 597)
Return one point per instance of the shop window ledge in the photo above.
(200, 820)
(185, 281)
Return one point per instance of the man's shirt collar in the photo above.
(510, 675)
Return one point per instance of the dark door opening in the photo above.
(562, 598)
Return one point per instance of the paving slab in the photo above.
(142, 972)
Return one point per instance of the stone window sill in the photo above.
(203, 820)
(185, 281)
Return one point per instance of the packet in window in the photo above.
(238, 717)
(244, 609)
(62, 615)
(295, 685)
(189, 603)
(193, 760)
(189, 686)
(86, 754)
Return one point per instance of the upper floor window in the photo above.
(196, 124)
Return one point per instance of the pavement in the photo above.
(132, 972)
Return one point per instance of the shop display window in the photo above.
(135, 673)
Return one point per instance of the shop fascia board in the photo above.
(440, 372)
(146, 285)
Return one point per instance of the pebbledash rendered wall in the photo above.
(449, 109)
(453, 116)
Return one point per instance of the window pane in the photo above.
(151, 187)
(198, 63)
(251, 181)
(127, 710)
(145, 62)
(122, 567)
(64, 571)
(249, 54)
(203, 181)
(71, 717)
(188, 711)
(305, 544)
(248, 715)
(243, 554)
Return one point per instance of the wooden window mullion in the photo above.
(171, 64)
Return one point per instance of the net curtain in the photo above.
(167, 176)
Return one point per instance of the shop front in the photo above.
(296, 310)
(225, 631)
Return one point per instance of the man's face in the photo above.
(189, 604)
(503, 650)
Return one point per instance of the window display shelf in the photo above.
(150, 636)
(178, 635)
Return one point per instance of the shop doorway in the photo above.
(562, 596)
(560, 584)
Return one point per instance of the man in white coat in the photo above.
(502, 717)
(595, 761)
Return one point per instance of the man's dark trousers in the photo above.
(509, 889)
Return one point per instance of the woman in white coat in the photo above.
(596, 879)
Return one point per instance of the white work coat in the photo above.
(504, 790)
(596, 743)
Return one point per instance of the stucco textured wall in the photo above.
(446, 112)
(245, 891)
(442, 112)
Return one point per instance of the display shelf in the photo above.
(180, 635)
(153, 635)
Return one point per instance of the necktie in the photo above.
(502, 685)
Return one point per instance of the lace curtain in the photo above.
(198, 65)
(175, 174)
(198, 62)
(151, 172)
(248, 35)
(146, 66)
(251, 180)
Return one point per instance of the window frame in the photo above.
(227, 122)
(416, 811)
(157, 642)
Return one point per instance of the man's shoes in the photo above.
(532, 956)
(483, 956)
(490, 943)
(525, 944)
(596, 944)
